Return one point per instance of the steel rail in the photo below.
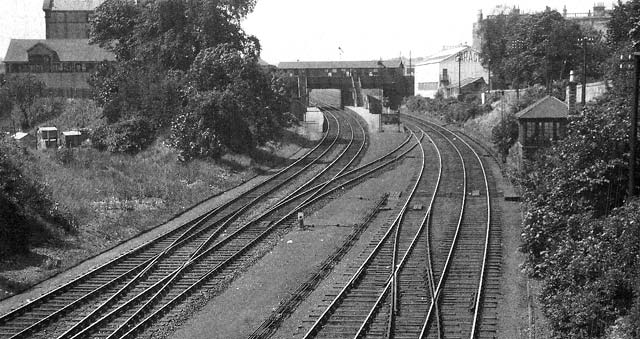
(359, 273)
(85, 326)
(287, 199)
(220, 266)
(179, 241)
(478, 296)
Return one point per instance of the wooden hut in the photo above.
(541, 123)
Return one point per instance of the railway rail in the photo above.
(426, 277)
(74, 298)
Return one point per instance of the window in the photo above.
(67, 67)
(78, 67)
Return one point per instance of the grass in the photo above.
(114, 197)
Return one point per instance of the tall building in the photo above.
(64, 60)
(68, 19)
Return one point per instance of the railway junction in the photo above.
(367, 234)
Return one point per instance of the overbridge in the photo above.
(370, 84)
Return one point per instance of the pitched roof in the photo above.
(339, 64)
(547, 107)
(67, 50)
(442, 55)
(466, 82)
(71, 5)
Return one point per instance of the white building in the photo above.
(450, 70)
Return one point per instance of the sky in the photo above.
(317, 30)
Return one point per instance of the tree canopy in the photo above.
(541, 48)
(183, 60)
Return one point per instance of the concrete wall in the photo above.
(594, 90)
(312, 125)
(373, 120)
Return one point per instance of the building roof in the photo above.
(70, 5)
(71, 133)
(466, 82)
(442, 55)
(67, 50)
(340, 64)
(47, 128)
(19, 135)
(546, 108)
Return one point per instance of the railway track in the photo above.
(111, 283)
(434, 273)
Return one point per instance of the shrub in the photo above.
(25, 201)
(128, 136)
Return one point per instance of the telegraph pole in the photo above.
(634, 125)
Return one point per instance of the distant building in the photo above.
(64, 60)
(450, 70)
(64, 65)
(68, 19)
(597, 20)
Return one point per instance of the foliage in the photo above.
(622, 28)
(188, 66)
(125, 136)
(21, 92)
(572, 234)
(233, 105)
(505, 134)
(522, 50)
(25, 201)
(449, 110)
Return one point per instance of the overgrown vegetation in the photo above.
(186, 67)
(581, 233)
(541, 48)
(19, 93)
(449, 109)
(28, 207)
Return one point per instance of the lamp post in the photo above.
(584, 41)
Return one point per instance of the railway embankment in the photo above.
(41, 278)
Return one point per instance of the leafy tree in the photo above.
(522, 50)
(622, 28)
(505, 134)
(234, 105)
(21, 92)
(190, 62)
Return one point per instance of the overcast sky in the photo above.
(292, 30)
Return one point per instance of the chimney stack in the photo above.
(572, 93)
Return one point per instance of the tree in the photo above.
(523, 50)
(234, 105)
(505, 134)
(189, 61)
(21, 92)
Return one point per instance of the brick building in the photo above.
(64, 60)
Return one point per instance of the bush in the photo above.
(25, 201)
(128, 136)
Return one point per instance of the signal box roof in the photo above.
(546, 108)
